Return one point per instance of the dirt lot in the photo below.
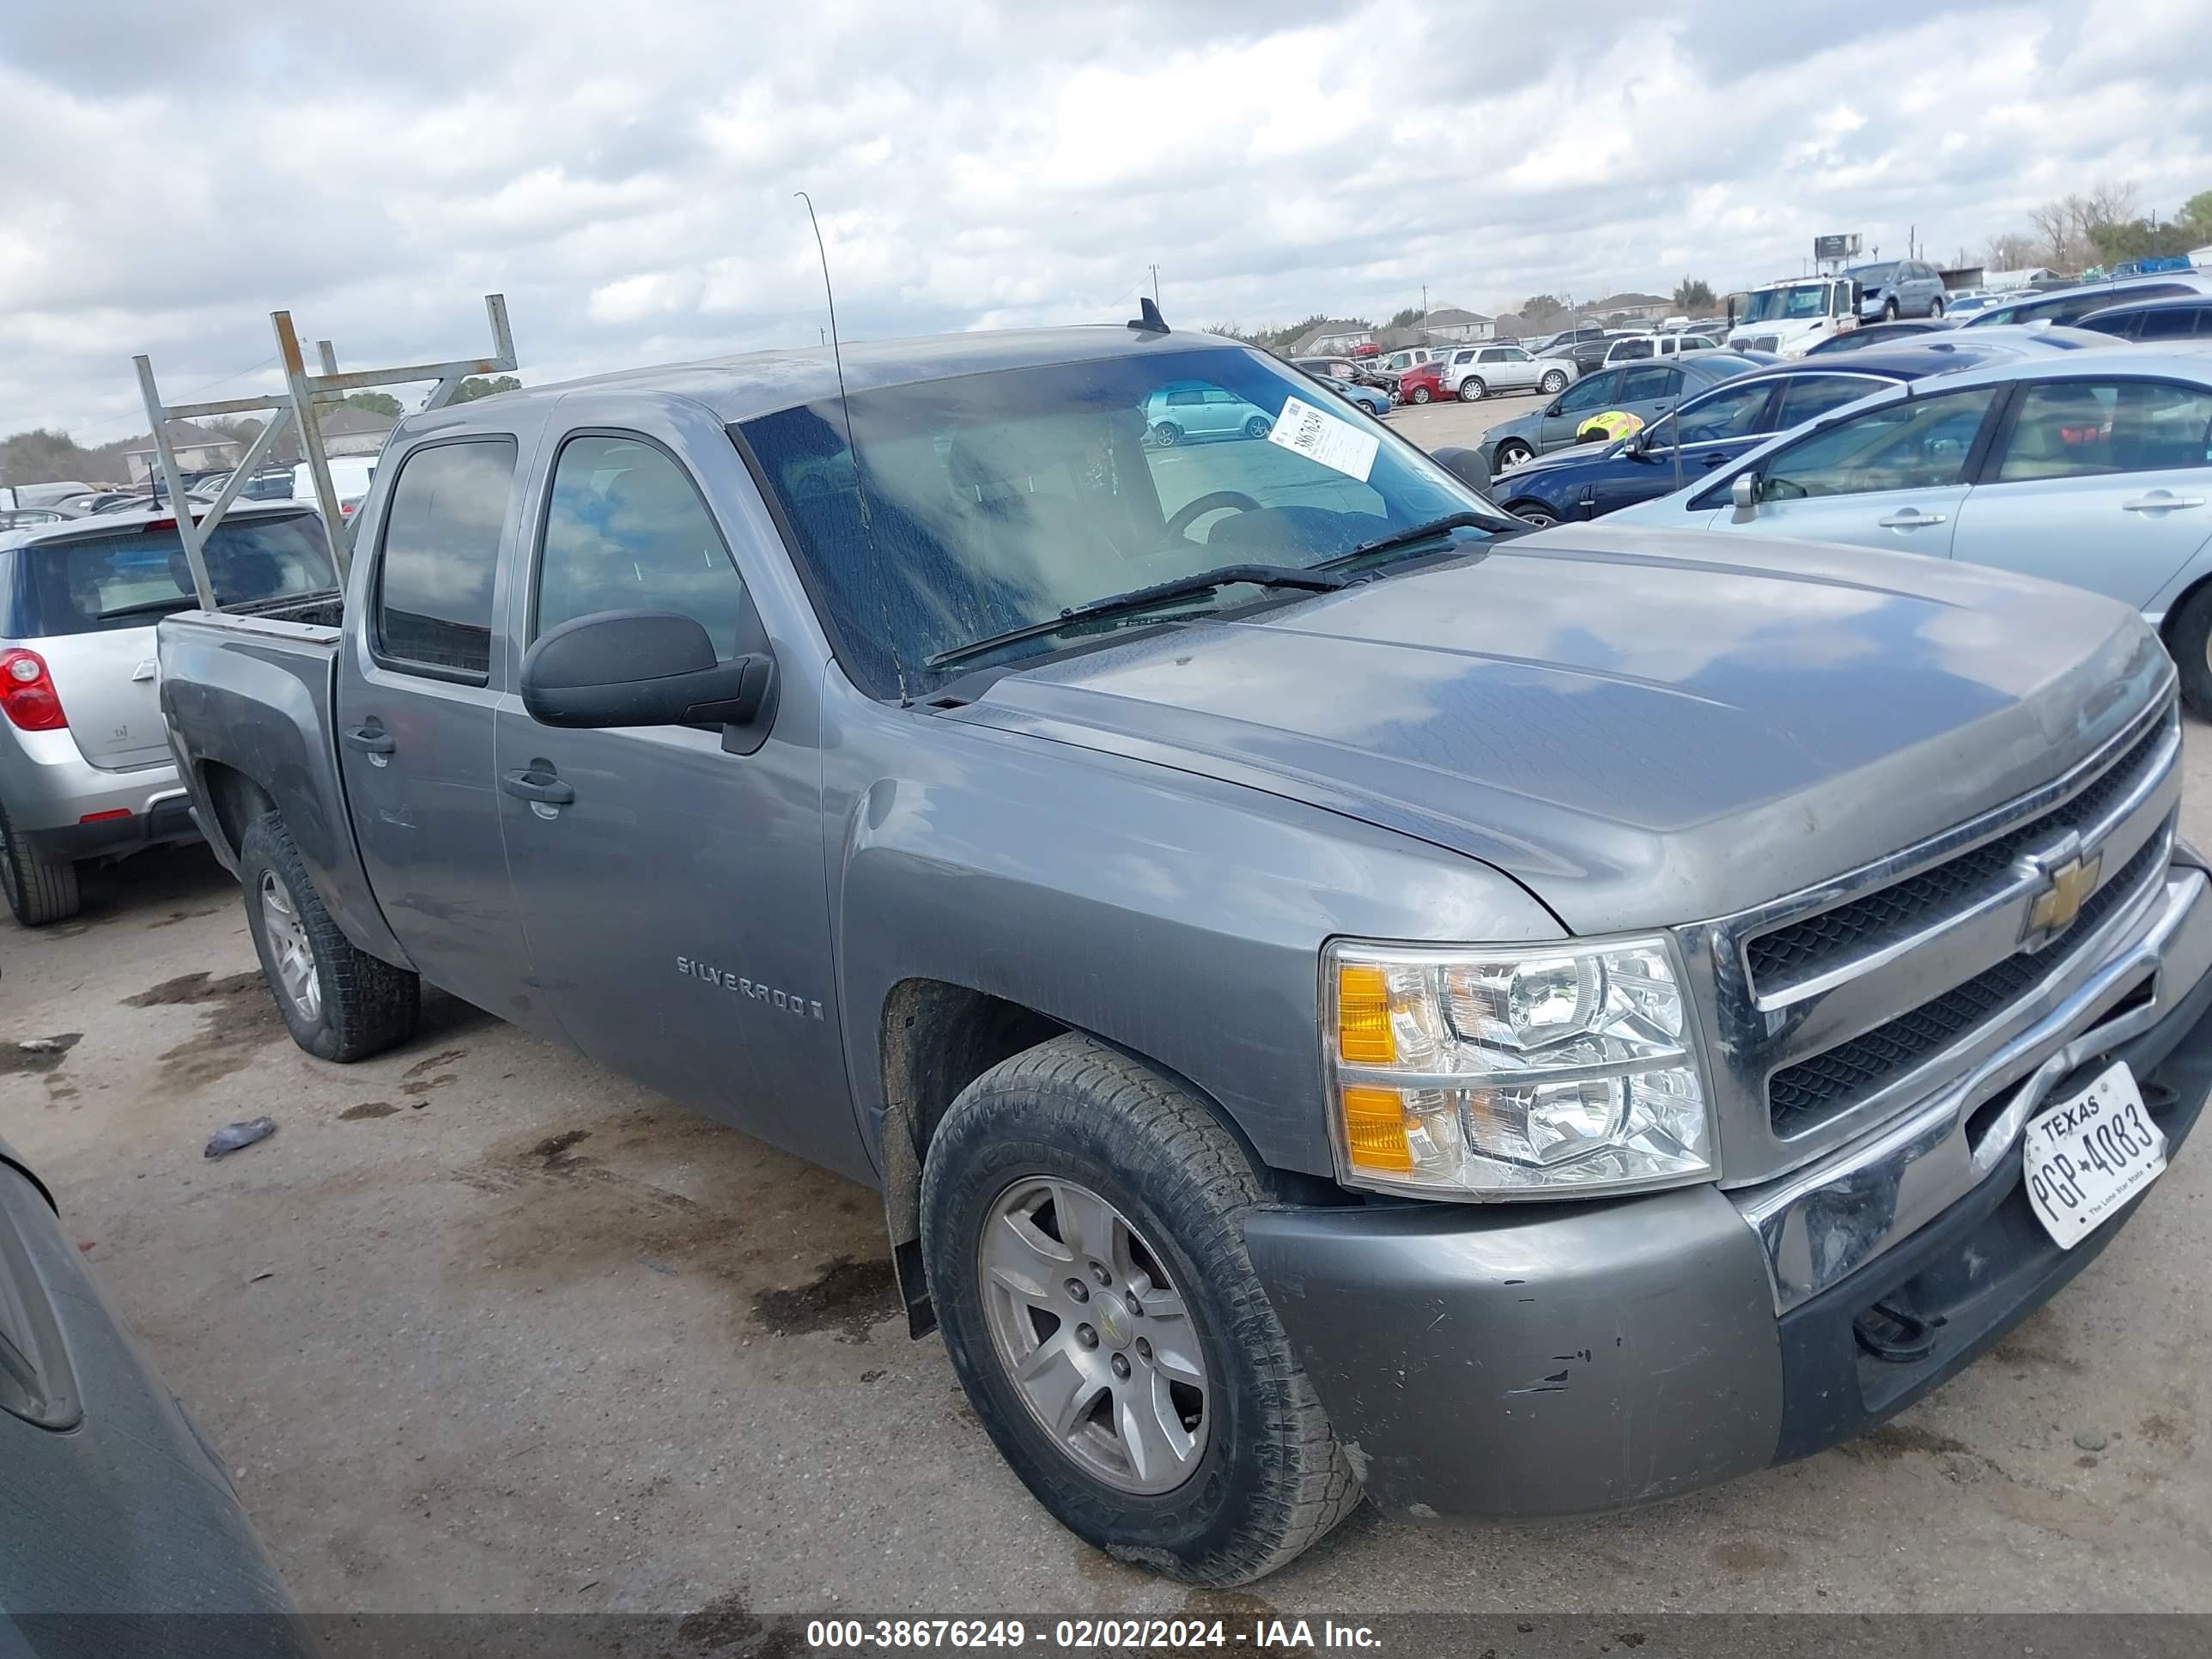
(482, 1327)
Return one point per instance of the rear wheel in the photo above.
(1511, 452)
(1472, 390)
(40, 889)
(1554, 380)
(340, 1003)
(1083, 1222)
(1167, 434)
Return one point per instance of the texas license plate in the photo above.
(2089, 1154)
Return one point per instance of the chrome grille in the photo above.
(1833, 1009)
(1801, 1096)
(1795, 953)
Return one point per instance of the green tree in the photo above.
(1694, 295)
(476, 386)
(380, 403)
(1404, 319)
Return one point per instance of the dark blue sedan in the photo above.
(1591, 480)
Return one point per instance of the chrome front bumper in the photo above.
(1820, 1224)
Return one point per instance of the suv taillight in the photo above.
(26, 692)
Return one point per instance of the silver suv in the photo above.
(1476, 371)
(85, 767)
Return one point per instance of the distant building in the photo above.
(349, 431)
(1632, 307)
(1335, 338)
(1958, 276)
(1451, 323)
(197, 450)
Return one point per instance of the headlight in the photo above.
(1543, 1070)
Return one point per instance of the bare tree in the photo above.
(2012, 251)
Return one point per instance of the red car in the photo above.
(1424, 382)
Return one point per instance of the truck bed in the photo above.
(249, 700)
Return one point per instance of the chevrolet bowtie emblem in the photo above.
(2057, 904)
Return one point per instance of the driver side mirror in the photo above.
(631, 668)
(1743, 490)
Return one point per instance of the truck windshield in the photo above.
(1799, 300)
(137, 576)
(998, 499)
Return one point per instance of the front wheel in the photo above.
(1555, 381)
(2188, 638)
(1542, 517)
(1258, 427)
(339, 1002)
(1889, 309)
(1511, 452)
(1935, 307)
(1472, 391)
(1083, 1223)
(40, 889)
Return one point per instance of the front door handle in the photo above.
(2160, 500)
(1911, 518)
(1712, 461)
(370, 740)
(542, 787)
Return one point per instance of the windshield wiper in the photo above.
(1317, 580)
(1415, 535)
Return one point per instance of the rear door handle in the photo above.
(540, 786)
(370, 740)
(1911, 519)
(2158, 501)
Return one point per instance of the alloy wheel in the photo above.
(1093, 1334)
(288, 944)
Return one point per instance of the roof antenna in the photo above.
(853, 446)
(1148, 319)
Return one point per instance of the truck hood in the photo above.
(1642, 727)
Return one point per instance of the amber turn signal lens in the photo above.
(1374, 1129)
(1363, 1017)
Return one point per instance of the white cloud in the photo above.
(626, 177)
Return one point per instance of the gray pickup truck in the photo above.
(1336, 991)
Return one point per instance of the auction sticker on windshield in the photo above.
(2090, 1154)
(1319, 435)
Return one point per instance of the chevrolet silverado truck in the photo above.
(1337, 991)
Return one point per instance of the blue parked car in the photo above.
(1714, 428)
(1375, 401)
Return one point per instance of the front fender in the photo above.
(1174, 916)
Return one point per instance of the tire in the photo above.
(40, 890)
(1511, 452)
(1542, 517)
(1472, 391)
(1167, 434)
(1889, 309)
(1420, 394)
(1935, 307)
(1262, 1477)
(1553, 383)
(348, 1005)
(2188, 638)
(1258, 427)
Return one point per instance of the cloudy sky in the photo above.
(623, 172)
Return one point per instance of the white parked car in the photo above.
(350, 476)
(2090, 467)
(1633, 347)
(1476, 371)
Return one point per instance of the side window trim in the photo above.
(371, 635)
(543, 518)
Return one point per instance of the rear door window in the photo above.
(2077, 429)
(439, 551)
(2173, 323)
(137, 576)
